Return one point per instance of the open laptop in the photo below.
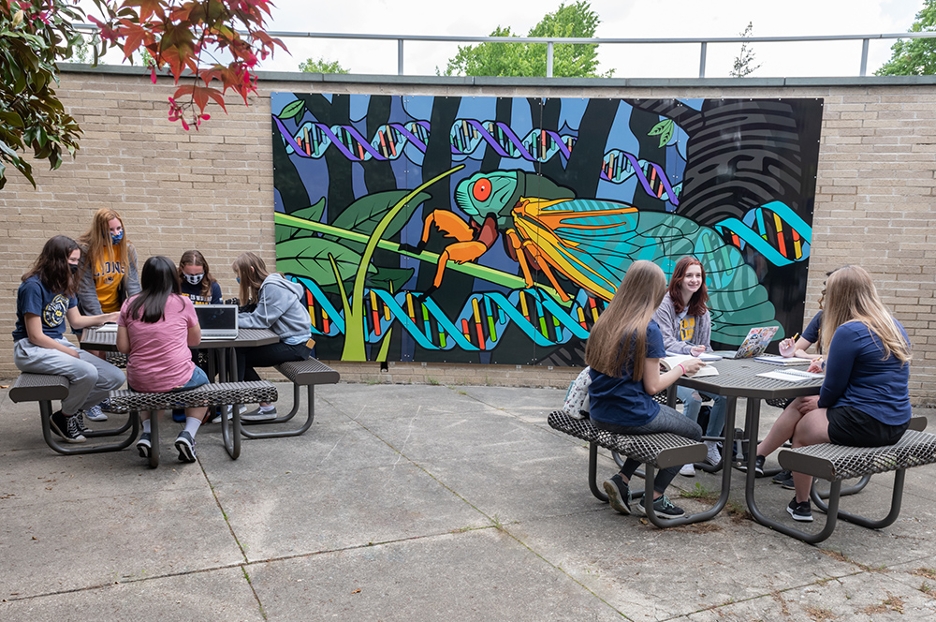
(754, 344)
(218, 322)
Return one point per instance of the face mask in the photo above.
(237, 279)
(194, 279)
(73, 267)
(115, 239)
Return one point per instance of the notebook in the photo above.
(756, 342)
(217, 322)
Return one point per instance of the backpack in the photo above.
(576, 399)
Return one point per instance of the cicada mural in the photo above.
(495, 230)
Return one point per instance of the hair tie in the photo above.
(682, 368)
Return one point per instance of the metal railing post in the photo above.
(399, 57)
(702, 59)
(549, 59)
(864, 58)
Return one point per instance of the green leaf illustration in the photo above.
(313, 213)
(390, 279)
(293, 109)
(363, 215)
(665, 130)
(299, 257)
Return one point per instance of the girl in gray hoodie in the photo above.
(277, 305)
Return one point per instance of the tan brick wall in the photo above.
(213, 190)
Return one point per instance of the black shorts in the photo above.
(849, 426)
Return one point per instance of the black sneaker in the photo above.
(785, 479)
(81, 426)
(66, 427)
(758, 466)
(144, 445)
(618, 494)
(186, 446)
(800, 511)
(663, 507)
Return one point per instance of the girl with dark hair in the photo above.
(45, 298)
(686, 325)
(107, 275)
(624, 352)
(278, 305)
(196, 280)
(155, 329)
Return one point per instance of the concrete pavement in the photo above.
(418, 502)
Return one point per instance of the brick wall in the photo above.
(213, 189)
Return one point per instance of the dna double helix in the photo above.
(468, 137)
(478, 326)
(773, 229)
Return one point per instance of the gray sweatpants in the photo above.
(90, 379)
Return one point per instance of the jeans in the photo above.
(90, 379)
(692, 405)
(267, 356)
(667, 420)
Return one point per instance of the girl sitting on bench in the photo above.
(155, 330)
(624, 352)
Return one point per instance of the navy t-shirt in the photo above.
(194, 293)
(811, 334)
(624, 401)
(857, 376)
(35, 298)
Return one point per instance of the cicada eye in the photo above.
(482, 189)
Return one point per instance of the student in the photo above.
(196, 280)
(45, 298)
(279, 307)
(155, 329)
(686, 325)
(624, 352)
(865, 397)
(107, 275)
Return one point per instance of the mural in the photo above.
(495, 230)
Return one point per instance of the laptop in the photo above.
(217, 322)
(754, 344)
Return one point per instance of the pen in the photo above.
(794, 337)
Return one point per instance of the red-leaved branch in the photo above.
(218, 42)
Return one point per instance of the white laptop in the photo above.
(754, 344)
(217, 322)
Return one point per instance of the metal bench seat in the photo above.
(223, 394)
(653, 450)
(307, 373)
(43, 388)
(835, 463)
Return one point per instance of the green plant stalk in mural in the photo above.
(354, 309)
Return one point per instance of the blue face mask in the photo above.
(115, 239)
(237, 278)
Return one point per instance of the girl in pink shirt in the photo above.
(155, 329)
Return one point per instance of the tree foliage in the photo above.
(178, 35)
(745, 59)
(320, 65)
(914, 57)
(578, 60)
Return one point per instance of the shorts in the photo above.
(851, 427)
(198, 379)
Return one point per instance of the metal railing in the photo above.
(551, 42)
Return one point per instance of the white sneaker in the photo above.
(95, 413)
(229, 413)
(687, 470)
(260, 414)
(713, 456)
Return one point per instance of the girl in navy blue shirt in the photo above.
(865, 397)
(624, 352)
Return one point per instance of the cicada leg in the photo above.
(542, 260)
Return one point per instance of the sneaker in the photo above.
(227, 409)
(758, 466)
(96, 413)
(800, 511)
(178, 415)
(785, 479)
(663, 507)
(105, 406)
(618, 494)
(687, 470)
(186, 446)
(66, 427)
(144, 445)
(260, 414)
(81, 425)
(713, 456)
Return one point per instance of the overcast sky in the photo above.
(619, 18)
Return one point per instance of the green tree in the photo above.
(35, 35)
(311, 65)
(578, 60)
(914, 57)
(745, 58)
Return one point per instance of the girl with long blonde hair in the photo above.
(865, 397)
(624, 351)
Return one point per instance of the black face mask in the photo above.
(73, 268)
